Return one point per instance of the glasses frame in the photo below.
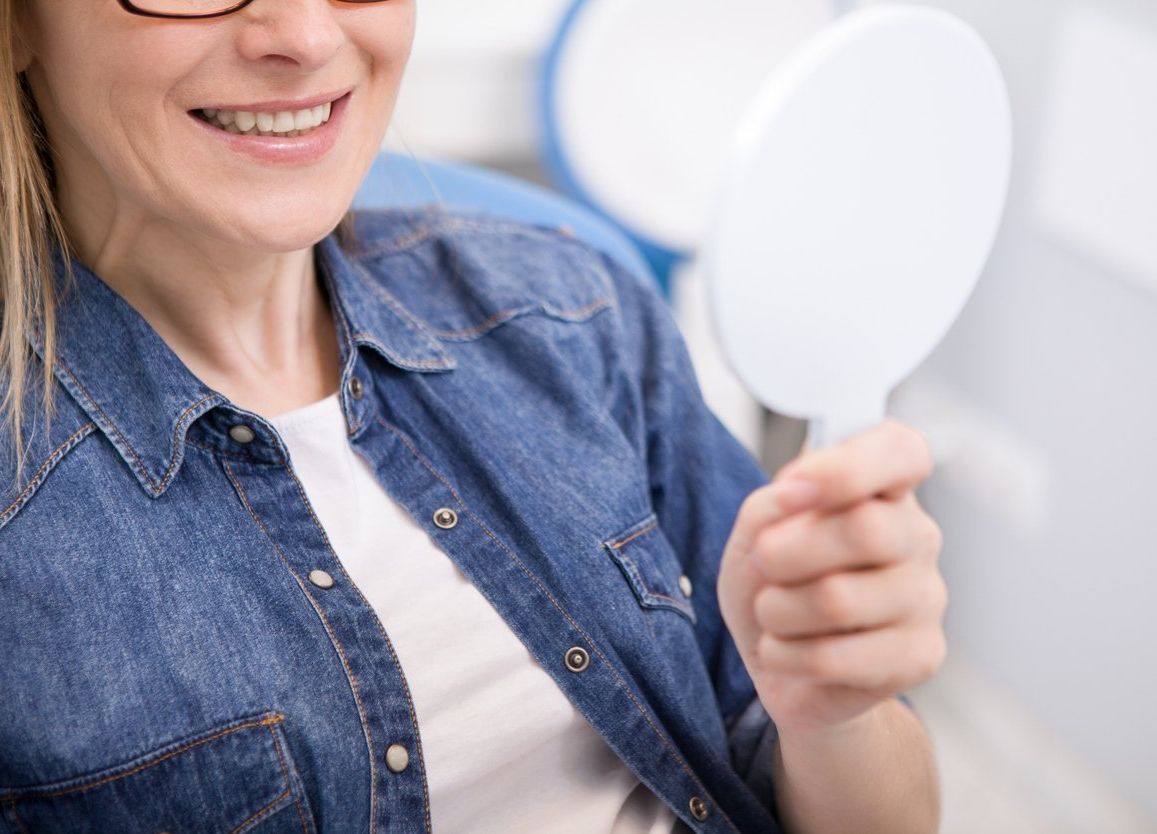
(128, 6)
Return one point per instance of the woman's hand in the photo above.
(830, 584)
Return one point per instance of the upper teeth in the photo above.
(283, 122)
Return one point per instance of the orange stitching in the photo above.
(647, 607)
(301, 816)
(623, 684)
(264, 722)
(633, 536)
(451, 223)
(679, 603)
(495, 319)
(388, 298)
(280, 759)
(264, 812)
(346, 338)
(416, 363)
(63, 447)
(650, 623)
(419, 235)
(176, 430)
(506, 315)
(288, 781)
(386, 637)
(336, 644)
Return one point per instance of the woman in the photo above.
(224, 582)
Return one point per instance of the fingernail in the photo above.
(795, 493)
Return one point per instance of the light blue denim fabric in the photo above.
(166, 664)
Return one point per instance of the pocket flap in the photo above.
(646, 559)
(230, 779)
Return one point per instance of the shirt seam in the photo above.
(157, 488)
(288, 781)
(18, 795)
(42, 473)
(418, 326)
(577, 314)
(415, 237)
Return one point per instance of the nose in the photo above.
(304, 34)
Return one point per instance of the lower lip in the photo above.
(285, 150)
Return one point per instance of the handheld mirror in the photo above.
(642, 97)
(865, 188)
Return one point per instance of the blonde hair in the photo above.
(30, 223)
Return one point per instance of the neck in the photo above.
(253, 326)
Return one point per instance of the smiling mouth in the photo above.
(284, 123)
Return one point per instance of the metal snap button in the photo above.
(356, 388)
(446, 518)
(699, 809)
(321, 579)
(242, 433)
(685, 586)
(577, 659)
(397, 758)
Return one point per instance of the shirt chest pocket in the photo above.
(649, 564)
(236, 778)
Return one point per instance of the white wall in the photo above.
(1049, 494)
(470, 90)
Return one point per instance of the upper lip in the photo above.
(280, 105)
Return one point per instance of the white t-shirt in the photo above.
(504, 750)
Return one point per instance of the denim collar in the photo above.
(143, 398)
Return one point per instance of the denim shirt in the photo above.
(167, 664)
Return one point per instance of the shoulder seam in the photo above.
(578, 315)
(42, 473)
(418, 235)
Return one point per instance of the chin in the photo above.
(288, 229)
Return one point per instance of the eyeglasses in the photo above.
(194, 9)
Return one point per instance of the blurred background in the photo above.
(1041, 405)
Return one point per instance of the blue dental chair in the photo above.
(398, 180)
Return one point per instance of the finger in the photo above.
(768, 505)
(845, 602)
(871, 534)
(884, 660)
(888, 460)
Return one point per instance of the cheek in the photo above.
(388, 42)
(95, 81)
(98, 84)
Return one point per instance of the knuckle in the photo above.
(867, 530)
(833, 601)
(767, 607)
(766, 551)
(845, 481)
(778, 552)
